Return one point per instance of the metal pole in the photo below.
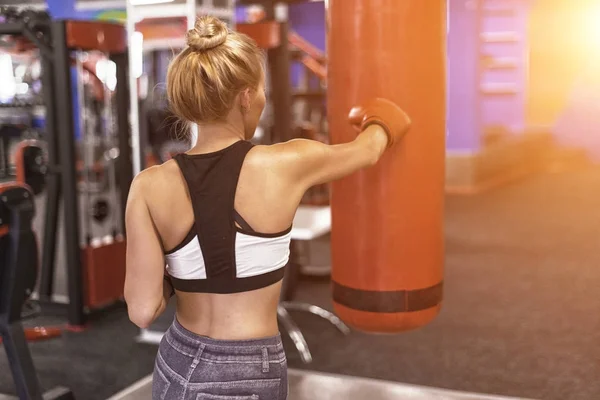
(13, 280)
(127, 153)
(53, 181)
(20, 362)
(279, 65)
(191, 21)
(134, 112)
(66, 139)
(190, 11)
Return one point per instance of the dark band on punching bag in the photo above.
(394, 301)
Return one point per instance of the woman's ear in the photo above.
(245, 100)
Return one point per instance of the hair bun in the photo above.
(208, 33)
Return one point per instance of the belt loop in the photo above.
(196, 359)
(265, 363)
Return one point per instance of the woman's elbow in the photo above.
(142, 317)
(142, 314)
(141, 309)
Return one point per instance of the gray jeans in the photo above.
(193, 367)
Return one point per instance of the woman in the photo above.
(220, 216)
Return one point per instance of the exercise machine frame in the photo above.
(17, 202)
(55, 41)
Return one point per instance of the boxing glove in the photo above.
(382, 112)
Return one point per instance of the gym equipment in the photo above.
(19, 271)
(86, 124)
(31, 165)
(100, 210)
(103, 257)
(58, 41)
(310, 222)
(13, 124)
(387, 237)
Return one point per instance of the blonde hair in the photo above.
(205, 78)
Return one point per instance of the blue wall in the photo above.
(463, 124)
(65, 9)
(308, 21)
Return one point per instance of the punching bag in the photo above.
(387, 220)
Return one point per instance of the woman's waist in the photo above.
(217, 343)
(231, 320)
(231, 329)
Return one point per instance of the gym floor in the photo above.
(520, 315)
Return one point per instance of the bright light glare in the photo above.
(22, 88)
(8, 89)
(591, 26)
(106, 70)
(20, 71)
(137, 53)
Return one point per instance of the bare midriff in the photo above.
(236, 316)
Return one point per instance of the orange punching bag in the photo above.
(387, 220)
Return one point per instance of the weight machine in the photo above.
(18, 270)
(94, 269)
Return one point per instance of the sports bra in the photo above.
(217, 256)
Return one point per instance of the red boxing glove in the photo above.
(382, 112)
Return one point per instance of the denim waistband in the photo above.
(216, 349)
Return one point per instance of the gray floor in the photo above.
(311, 386)
(521, 314)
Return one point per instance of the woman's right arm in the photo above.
(300, 164)
(306, 163)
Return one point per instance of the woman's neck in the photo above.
(213, 137)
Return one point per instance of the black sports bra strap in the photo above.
(212, 182)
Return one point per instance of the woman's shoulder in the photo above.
(279, 152)
(155, 179)
(160, 190)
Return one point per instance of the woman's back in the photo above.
(266, 203)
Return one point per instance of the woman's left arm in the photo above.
(146, 291)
